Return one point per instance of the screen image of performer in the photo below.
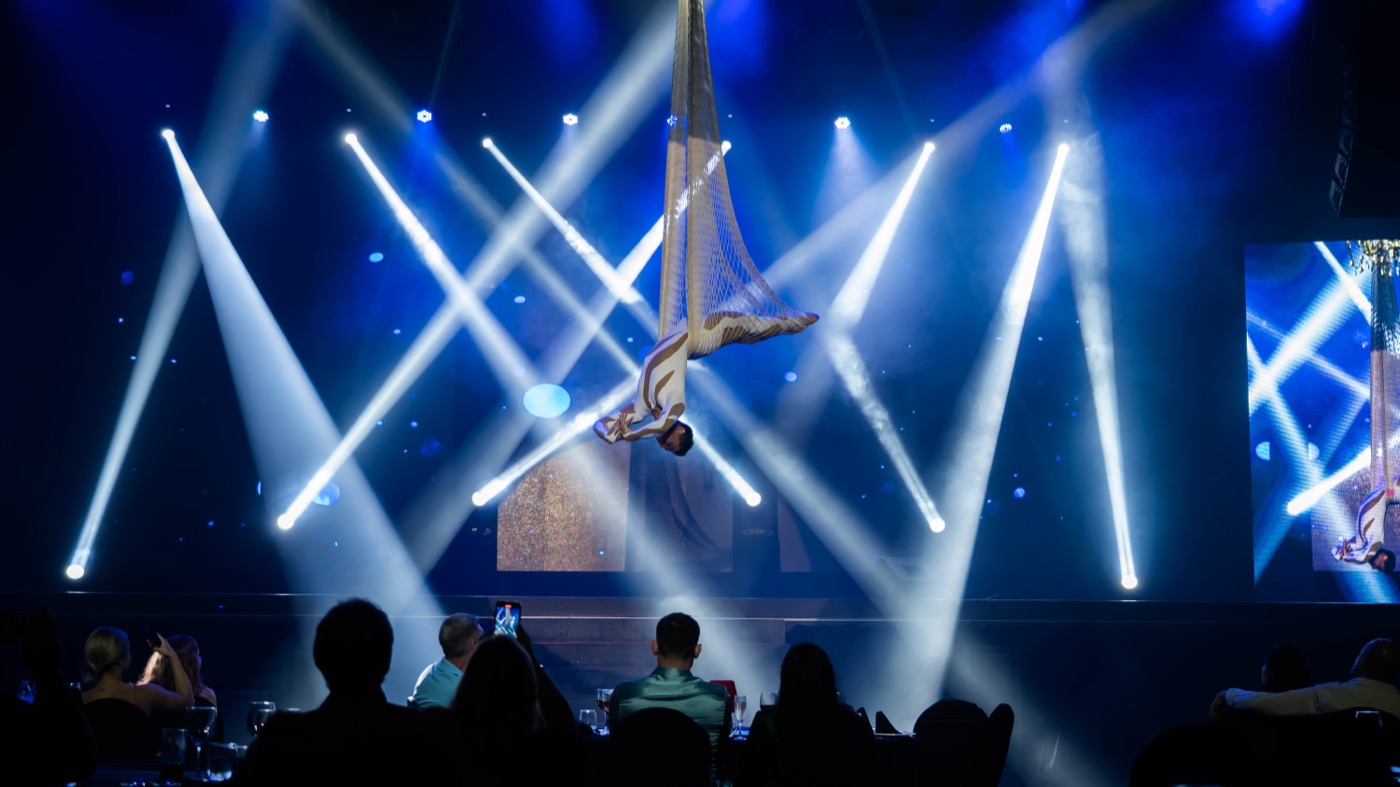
(661, 384)
(1367, 547)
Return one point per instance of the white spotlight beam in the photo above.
(1324, 317)
(576, 426)
(624, 99)
(849, 304)
(1295, 443)
(256, 47)
(290, 429)
(512, 369)
(846, 311)
(1322, 365)
(620, 289)
(968, 467)
(984, 398)
(1086, 245)
(849, 366)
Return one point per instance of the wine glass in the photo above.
(199, 720)
(741, 704)
(258, 714)
(605, 701)
(588, 716)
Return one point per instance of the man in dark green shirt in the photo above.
(671, 684)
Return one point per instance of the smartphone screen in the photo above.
(507, 617)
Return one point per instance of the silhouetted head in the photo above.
(1284, 670)
(1383, 560)
(677, 640)
(458, 635)
(808, 681)
(106, 649)
(497, 696)
(354, 643)
(1378, 660)
(678, 439)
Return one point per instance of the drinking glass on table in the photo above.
(767, 700)
(605, 701)
(171, 753)
(199, 721)
(258, 714)
(588, 716)
(222, 759)
(741, 704)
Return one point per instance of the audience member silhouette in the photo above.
(1284, 670)
(810, 736)
(48, 741)
(356, 735)
(458, 635)
(500, 720)
(1372, 685)
(672, 685)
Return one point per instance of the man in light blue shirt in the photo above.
(458, 636)
(671, 684)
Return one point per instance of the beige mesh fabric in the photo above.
(706, 271)
(1385, 378)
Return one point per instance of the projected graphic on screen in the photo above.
(1323, 348)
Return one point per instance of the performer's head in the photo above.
(1383, 560)
(679, 438)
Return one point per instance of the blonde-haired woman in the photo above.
(107, 659)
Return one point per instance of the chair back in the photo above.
(660, 746)
(946, 731)
(122, 730)
(996, 744)
(1195, 754)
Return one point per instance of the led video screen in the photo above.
(1323, 403)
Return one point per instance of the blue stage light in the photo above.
(671, 120)
(260, 116)
(1004, 128)
(546, 401)
(571, 119)
(377, 256)
(843, 122)
(424, 116)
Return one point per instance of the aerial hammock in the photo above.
(711, 292)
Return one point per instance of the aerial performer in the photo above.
(711, 292)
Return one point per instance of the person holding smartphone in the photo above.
(458, 635)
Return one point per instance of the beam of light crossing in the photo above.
(1323, 318)
(513, 370)
(257, 46)
(576, 426)
(846, 311)
(1295, 442)
(1348, 280)
(620, 289)
(968, 466)
(289, 429)
(1324, 367)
